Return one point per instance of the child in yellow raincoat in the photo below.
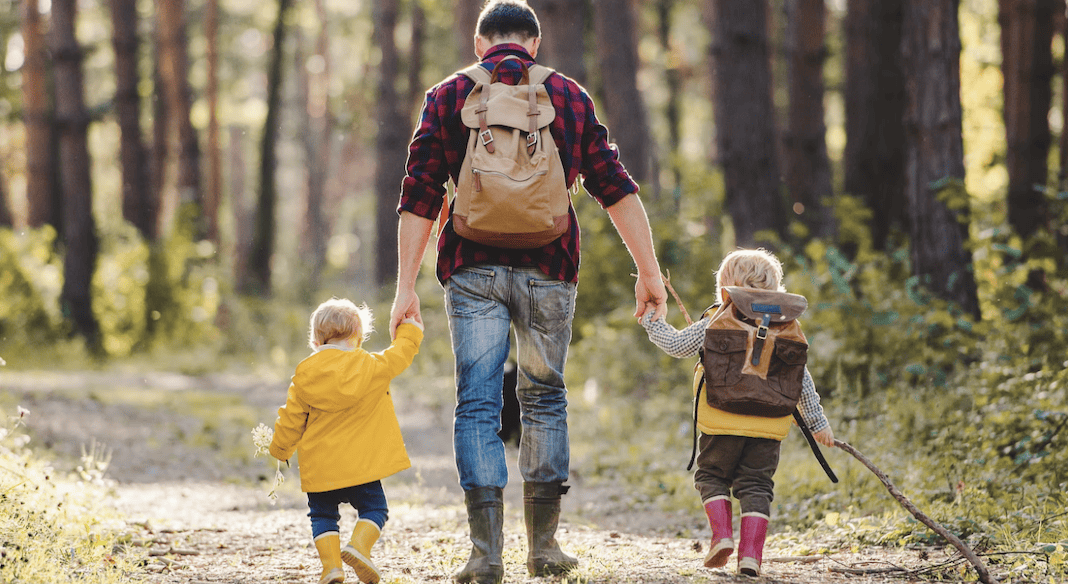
(339, 418)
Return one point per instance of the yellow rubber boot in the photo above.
(329, 547)
(358, 552)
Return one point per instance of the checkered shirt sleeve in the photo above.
(687, 343)
(678, 344)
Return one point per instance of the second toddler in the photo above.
(738, 454)
(339, 418)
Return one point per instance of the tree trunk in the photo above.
(934, 160)
(808, 168)
(466, 18)
(745, 119)
(318, 137)
(563, 32)
(264, 235)
(79, 226)
(139, 205)
(875, 108)
(673, 104)
(174, 69)
(413, 98)
(1062, 230)
(41, 192)
(6, 220)
(1027, 70)
(160, 124)
(390, 145)
(242, 209)
(213, 192)
(617, 54)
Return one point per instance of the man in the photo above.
(488, 290)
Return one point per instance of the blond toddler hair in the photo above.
(751, 268)
(340, 319)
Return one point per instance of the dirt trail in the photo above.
(201, 515)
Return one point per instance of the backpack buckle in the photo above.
(532, 139)
(762, 328)
(486, 137)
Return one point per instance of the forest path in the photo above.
(187, 489)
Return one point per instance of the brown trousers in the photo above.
(740, 466)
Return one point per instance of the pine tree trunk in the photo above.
(1027, 71)
(624, 111)
(79, 227)
(875, 101)
(174, 69)
(213, 191)
(673, 104)
(563, 32)
(160, 151)
(390, 145)
(319, 121)
(263, 237)
(745, 119)
(41, 192)
(464, 28)
(808, 168)
(6, 219)
(139, 206)
(241, 207)
(934, 160)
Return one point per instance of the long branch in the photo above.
(984, 575)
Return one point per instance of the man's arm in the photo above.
(413, 234)
(628, 215)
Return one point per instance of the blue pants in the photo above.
(369, 500)
(484, 302)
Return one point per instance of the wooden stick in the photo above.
(980, 569)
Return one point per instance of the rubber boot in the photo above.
(720, 516)
(541, 512)
(485, 517)
(329, 547)
(751, 545)
(357, 553)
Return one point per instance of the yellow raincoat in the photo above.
(339, 415)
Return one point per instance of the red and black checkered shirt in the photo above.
(440, 142)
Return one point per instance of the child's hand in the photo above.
(825, 437)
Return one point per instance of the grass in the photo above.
(53, 526)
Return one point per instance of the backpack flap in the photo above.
(755, 304)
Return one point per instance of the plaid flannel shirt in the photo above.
(439, 145)
(687, 343)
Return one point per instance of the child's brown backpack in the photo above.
(754, 353)
(512, 191)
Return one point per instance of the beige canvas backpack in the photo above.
(512, 192)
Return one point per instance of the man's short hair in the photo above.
(502, 18)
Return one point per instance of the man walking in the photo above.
(489, 290)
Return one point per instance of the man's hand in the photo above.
(650, 295)
(405, 305)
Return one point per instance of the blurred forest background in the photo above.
(182, 180)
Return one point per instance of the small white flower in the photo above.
(2, 362)
(23, 412)
(261, 438)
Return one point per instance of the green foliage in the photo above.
(53, 527)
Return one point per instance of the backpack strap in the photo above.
(480, 76)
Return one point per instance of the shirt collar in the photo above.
(507, 48)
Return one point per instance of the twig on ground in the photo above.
(795, 559)
(980, 569)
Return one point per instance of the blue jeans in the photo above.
(369, 500)
(483, 303)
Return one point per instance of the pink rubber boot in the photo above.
(719, 514)
(751, 545)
